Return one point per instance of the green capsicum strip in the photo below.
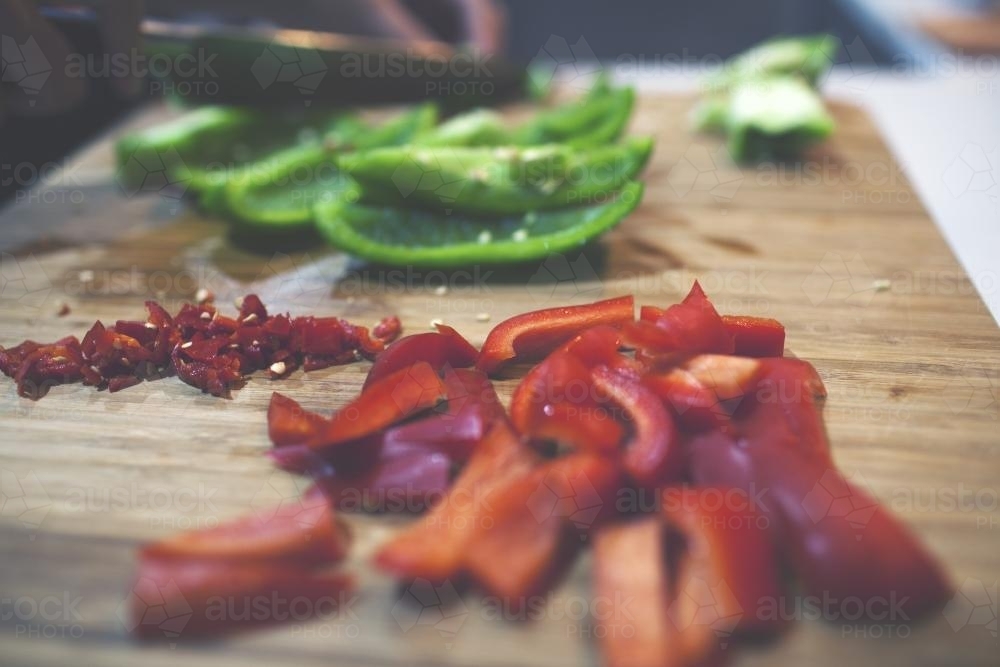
(807, 57)
(599, 118)
(432, 240)
(775, 118)
(479, 127)
(495, 181)
(277, 194)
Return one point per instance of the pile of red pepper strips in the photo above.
(707, 420)
(204, 348)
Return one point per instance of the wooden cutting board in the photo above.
(839, 249)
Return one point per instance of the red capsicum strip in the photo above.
(725, 567)
(652, 456)
(557, 401)
(525, 537)
(288, 423)
(191, 599)
(303, 534)
(691, 326)
(441, 349)
(755, 336)
(530, 336)
(433, 548)
(388, 401)
(705, 390)
(630, 564)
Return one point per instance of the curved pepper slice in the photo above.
(182, 599)
(301, 534)
(532, 335)
(756, 336)
(652, 456)
(288, 423)
(556, 401)
(725, 572)
(392, 399)
(413, 237)
(446, 347)
(433, 548)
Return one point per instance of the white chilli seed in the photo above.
(238, 302)
(440, 290)
(482, 317)
(278, 368)
(203, 296)
(206, 316)
(149, 325)
(252, 317)
(85, 276)
(435, 322)
(186, 345)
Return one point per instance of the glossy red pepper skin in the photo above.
(652, 456)
(756, 336)
(368, 467)
(725, 571)
(302, 534)
(403, 393)
(443, 348)
(704, 391)
(530, 336)
(196, 599)
(840, 542)
(532, 527)
(632, 578)
(433, 548)
(288, 423)
(556, 401)
(692, 326)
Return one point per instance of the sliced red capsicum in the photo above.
(532, 335)
(392, 399)
(841, 544)
(532, 527)
(303, 534)
(705, 390)
(691, 326)
(433, 547)
(652, 456)
(443, 348)
(632, 579)
(193, 599)
(725, 573)
(756, 336)
(288, 423)
(557, 401)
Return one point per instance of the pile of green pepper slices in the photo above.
(410, 190)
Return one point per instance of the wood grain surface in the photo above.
(838, 247)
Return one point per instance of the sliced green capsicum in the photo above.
(421, 238)
(807, 57)
(495, 181)
(775, 118)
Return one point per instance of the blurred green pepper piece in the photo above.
(276, 195)
(808, 57)
(495, 181)
(775, 118)
(415, 237)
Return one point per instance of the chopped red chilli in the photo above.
(204, 348)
